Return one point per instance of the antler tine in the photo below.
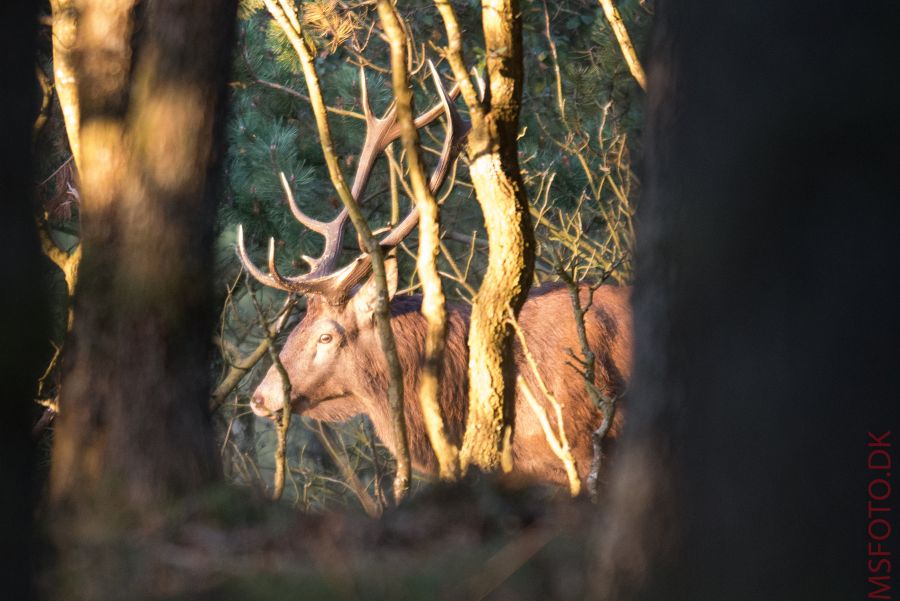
(332, 231)
(273, 270)
(380, 132)
(364, 96)
(315, 225)
(438, 109)
(317, 280)
(283, 282)
(457, 129)
(251, 267)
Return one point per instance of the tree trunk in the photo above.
(434, 303)
(494, 168)
(24, 318)
(765, 306)
(134, 427)
(65, 28)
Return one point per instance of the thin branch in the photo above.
(284, 423)
(242, 367)
(292, 92)
(607, 405)
(287, 21)
(351, 480)
(56, 171)
(433, 301)
(302, 96)
(560, 97)
(457, 62)
(618, 27)
(558, 441)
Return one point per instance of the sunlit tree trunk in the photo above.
(63, 39)
(23, 311)
(433, 300)
(494, 169)
(134, 426)
(766, 322)
(507, 278)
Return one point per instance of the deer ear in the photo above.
(366, 297)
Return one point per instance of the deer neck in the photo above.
(409, 328)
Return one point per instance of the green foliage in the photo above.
(246, 8)
(617, 85)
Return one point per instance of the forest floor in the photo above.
(464, 542)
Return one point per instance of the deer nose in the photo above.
(258, 404)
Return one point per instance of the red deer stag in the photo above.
(337, 369)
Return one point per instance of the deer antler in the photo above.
(380, 132)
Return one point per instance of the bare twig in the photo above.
(618, 27)
(351, 480)
(560, 97)
(378, 477)
(242, 367)
(558, 441)
(455, 58)
(292, 92)
(433, 300)
(284, 423)
(607, 405)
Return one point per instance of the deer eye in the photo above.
(325, 338)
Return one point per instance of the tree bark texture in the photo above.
(134, 423)
(64, 37)
(24, 319)
(766, 322)
(494, 169)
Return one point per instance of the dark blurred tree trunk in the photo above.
(23, 314)
(134, 427)
(767, 322)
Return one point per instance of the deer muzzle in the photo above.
(268, 398)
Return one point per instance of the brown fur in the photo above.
(355, 382)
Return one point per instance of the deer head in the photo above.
(331, 355)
